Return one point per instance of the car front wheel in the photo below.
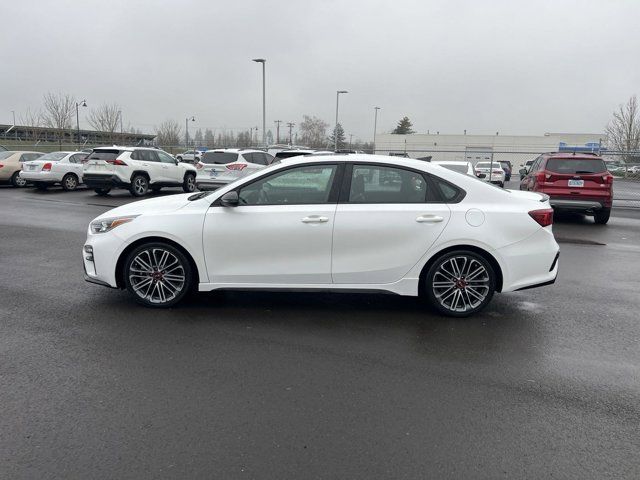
(157, 275)
(460, 283)
(189, 184)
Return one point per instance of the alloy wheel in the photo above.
(140, 185)
(157, 275)
(461, 283)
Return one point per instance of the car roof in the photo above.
(126, 149)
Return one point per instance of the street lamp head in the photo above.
(342, 91)
(260, 60)
(193, 119)
(83, 103)
(377, 108)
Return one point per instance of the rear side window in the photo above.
(449, 193)
(377, 184)
(220, 158)
(575, 166)
(104, 155)
(4, 155)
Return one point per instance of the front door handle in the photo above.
(429, 219)
(315, 219)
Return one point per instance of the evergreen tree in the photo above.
(338, 132)
(404, 127)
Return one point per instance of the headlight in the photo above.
(107, 224)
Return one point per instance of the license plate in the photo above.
(576, 183)
(213, 173)
(32, 167)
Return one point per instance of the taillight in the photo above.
(236, 166)
(199, 166)
(46, 167)
(608, 179)
(544, 217)
(540, 177)
(116, 162)
(1, 165)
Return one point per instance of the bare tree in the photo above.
(313, 131)
(623, 132)
(168, 133)
(58, 112)
(32, 121)
(105, 118)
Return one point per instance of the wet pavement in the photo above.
(544, 383)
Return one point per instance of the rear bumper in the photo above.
(96, 180)
(576, 205)
(41, 177)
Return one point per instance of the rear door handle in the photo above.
(429, 219)
(315, 219)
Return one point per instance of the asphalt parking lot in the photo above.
(544, 383)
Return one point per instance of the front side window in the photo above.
(377, 184)
(166, 158)
(306, 185)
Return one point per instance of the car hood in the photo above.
(165, 204)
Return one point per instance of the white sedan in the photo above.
(339, 223)
(64, 168)
(493, 172)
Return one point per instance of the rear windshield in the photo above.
(4, 155)
(576, 165)
(219, 157)
(454, 167)
(104, 155)
(53, 156)
(488, 165)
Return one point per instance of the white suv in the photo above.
(190, 156)
(221, 166)
(136, 169)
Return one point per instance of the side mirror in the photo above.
(482, 175)
(230, 199)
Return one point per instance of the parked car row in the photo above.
(491, 172)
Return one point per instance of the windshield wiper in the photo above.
(198, 196)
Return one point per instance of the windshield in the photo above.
(53, 156)
(220, 158)
(462, 168)
(574, 166)
(104, 155)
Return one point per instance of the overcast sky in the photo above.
(518, 67)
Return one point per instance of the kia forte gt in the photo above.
(335, 223)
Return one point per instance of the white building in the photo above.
(474, 148)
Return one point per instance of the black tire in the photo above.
(41, 186)
(601, 217)
(501, 184)
(17, 181)
(189, 184)
(179, 158)
(139, 185)
(148, 289)
(454, 294)
(70, 182)
(102, 191)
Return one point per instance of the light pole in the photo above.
(335, 131)
(15, 130)
(121, 130)
(83, 103)
(264, 111)
(186, 129)
(375, 127)
(350, 140)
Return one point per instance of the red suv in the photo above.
(578, 182)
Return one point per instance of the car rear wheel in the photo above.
(139, 186)
(157, 275)
(189, 184)
(601, 217)
(460, 283)
(102, 191)
(17, 180)
(69, 182)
